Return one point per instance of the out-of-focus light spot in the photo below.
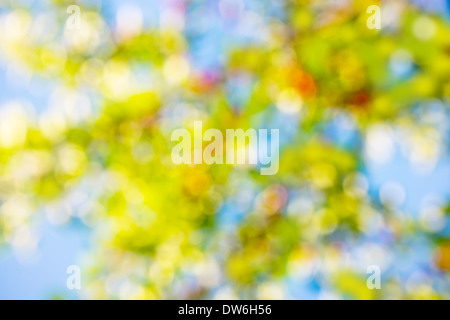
(13, 125)
(424, 28)
(142, 215)
(328, 220)
(53, 58)
(244, 199)
(134, 195)
(424, 84)
(432, 218)
(89, 212)
(225, 293)
(303, 205)
(289, 101)
(372, 254)
(333, 259)
(70, 159)
(76, 106)
(172, 19)
(113, 179)
(433, 200)
(442, 256)
(379, 145)
(314, 229)
(91, 71)
(401, 62)
(252, 25)
(231, 9)
(424, 149)
(24, 241)
(208, 273)
(435, 115)
(58, 213)
(162, 270)
(356, 184)
(270, 291)
(277, 34)
(392, 194)
(77, 198)
(142, 152)
(88, 37)
(272, 200)
(418, 283)
(322, 175)
(196, 182)
(15, 26)
(53, 124)
(117, 78)
(393, 291)
(200, 20)
(44, 28)
(345, 121)
(130, 290)
(328, 295)
(183, 114)
(176, 69)
(391, 14)
(113, 282)
(129, 21)
(30, 165)
(371, 222)
(16, 211)
(302, 263)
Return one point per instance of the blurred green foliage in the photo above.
(156, 224)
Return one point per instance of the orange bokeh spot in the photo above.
(443, 256)
(303, 82)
